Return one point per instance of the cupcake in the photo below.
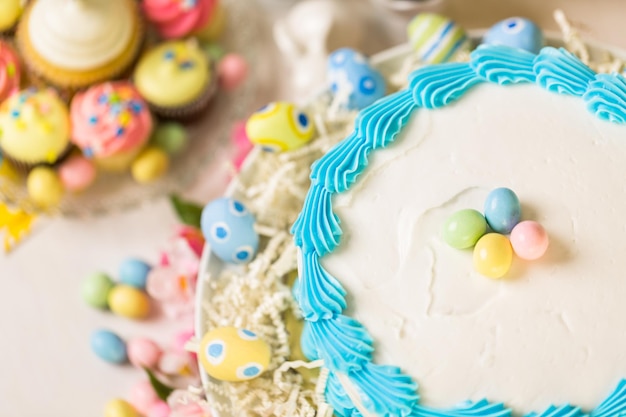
(110, 123)
(175, 19)
(34, 128)
(72, 44)
(9, 71)
(10, 12)
(176, 79)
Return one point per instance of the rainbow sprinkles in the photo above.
(356, 386)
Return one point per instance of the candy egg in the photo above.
(108, 346)
(120, 408)
(436, 38)
(77, 173)
(134, 272)
(150, 165)
(529, 240)
(516, 32)
(350, 71)
(44, 187)
(228, 226)
(129, 302)
(143, 352)
(232, 70)
(231, 354)
(502, 210)
(279, 126)
(493, 255)
(159, 409)
(142, 396)
(171, 137)
(96, 288)
(463, 228)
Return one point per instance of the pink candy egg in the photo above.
(143, 353)
(159, 409)
(143, 396)
(77, 173)
(232, 70)
(529, 240)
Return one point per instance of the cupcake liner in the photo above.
(23, 167)
(69, 81)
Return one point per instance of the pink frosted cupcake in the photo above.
(175, 19)
(110, 123)
(9, 71)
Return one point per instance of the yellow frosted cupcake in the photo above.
(176, 79)
(10, 12)
(72, 44)
(34, 128)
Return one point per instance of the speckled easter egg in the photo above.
(228, 226)
(516, 32)
(279, 126)
(134, 272)
(44, 187)
(231, 354)
(151, 164)
(129, 302)
(77, 173)
(350, 71)
(108, 346)
(95, 289)
(435, 38)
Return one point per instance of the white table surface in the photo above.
(46, 365)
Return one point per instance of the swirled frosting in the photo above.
(9, 71)
(80, 34)
(178, 18)
(109, 118)
(405, 299)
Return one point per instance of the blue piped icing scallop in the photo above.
(342, 342)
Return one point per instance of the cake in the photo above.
(402, 322)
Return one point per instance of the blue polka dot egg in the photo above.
(279, 126)
(228, 227)
(350, 71)
(232, 354)
(516, 32)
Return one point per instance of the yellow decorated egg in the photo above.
(150, 165)
(44, 187)
(279, 126)
(232, 354)
(127, 301)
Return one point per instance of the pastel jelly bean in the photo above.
(349, 71)
(279, 126)
(171, 137)
(151, 164)
(516, 32)
(143, 352)
(44, 187)
(77, 173)
(159, 409)
(95, 289)
(493, 255)
(435, 38)
(529, 240)
(228, 226)
(502, 210)
(231, 354)
(463, 228)
(134, 272)
(142, 396)
(129, 302)
(120, 408)
(108, 346)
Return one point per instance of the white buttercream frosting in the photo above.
(551, 331)
(80, 34)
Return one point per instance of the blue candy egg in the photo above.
(502, 210)
(348, 69)
(228, 226)
(134, 272)
(108, 346)
(516, 32)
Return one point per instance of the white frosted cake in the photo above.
(403, 322)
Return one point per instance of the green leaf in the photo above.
(188, 213)
(162, 390)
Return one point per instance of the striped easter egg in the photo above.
(436, 38)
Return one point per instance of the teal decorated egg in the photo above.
(516, 32)
(232, 354)
(279, 126)
(436, 38)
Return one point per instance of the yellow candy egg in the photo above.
(129, 302)
(232, 354)
(44, 187)
(279, 126)
(120, 408)
(150, 165)
(493, 255)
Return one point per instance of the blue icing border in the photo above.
(342, 342)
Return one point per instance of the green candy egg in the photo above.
(96, 288)
(463, 228)
(171, 137)
(213, 50)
